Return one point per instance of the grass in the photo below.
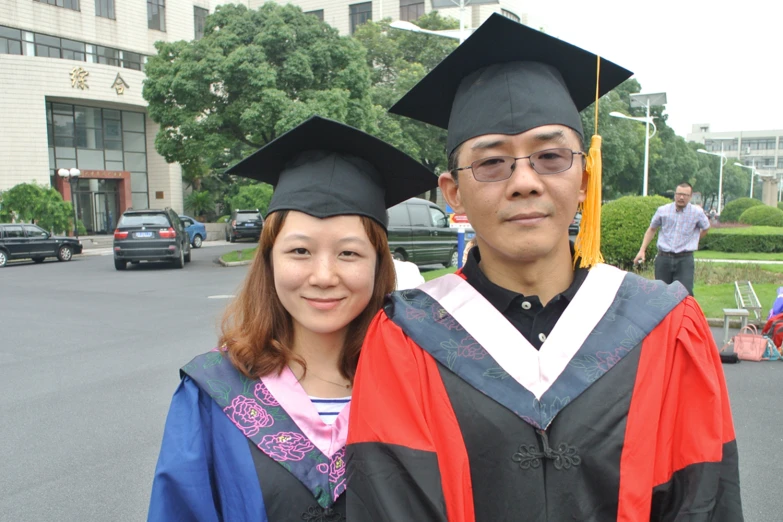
(432, 274)
(714, 298)
(750, 256)
(239, 255)
(748, 231)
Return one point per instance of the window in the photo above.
(759, 144)
(398, 216)
(47, 46)
(35, 232)
(439, 218)
(15, 231)
(420, 216)
(130, 60)
(509, 15)
(68, 4)
(10, 40)
(72, 50)
(359, 14)
(411, 10)
(104, 8)
(199, 21)
(186, 222)
(156, 14)
(106, 55)
(715, 145)
(318, 14)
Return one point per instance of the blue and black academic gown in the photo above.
(236, 449)
(622, 415)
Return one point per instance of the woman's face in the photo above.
(324, 271)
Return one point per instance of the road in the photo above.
(89, 359)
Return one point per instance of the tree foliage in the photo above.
(252, 196)
(30, 202)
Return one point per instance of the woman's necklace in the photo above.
(341, 385)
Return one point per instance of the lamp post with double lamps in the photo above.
(647, 137)
(72, 176)
(723, 160)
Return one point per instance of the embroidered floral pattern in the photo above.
(251, 407)
(416, 315)
(264, 396)
(248, 415)
(286, 446)
(319, 514)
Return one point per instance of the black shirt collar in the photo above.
(501, 298)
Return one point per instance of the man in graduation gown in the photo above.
(536, 384)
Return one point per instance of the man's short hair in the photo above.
(686, 184)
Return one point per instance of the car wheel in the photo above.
(197, 241)
(187, 256)
(120, 265)
(38, 259)
(232, 239)
(454, 261)
(65, 253)
(3, 258)
(398, 255)
(180, 262)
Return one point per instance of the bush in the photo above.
(762, 215)
(223, 219)
(780, 205)
(623, 224)
(734, 209)
(751, 239)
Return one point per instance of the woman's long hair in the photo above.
(257, 331)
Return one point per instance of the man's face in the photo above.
(682, 196)
(524, 217)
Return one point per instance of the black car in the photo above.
(419, 232)
(150, 235)
(244, 224)
(573, 228)
(22, 241)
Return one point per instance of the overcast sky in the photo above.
(719, 62)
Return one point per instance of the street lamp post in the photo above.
(752, 173)
(723, 160)
(647, 136)
(72, 176)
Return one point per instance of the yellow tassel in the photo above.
(588, 243)
(587, 247)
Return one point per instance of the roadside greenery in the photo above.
(33, 203)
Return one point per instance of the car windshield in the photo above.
(241, 218)
(138, 220)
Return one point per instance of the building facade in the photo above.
(71, 74)
(760, 149)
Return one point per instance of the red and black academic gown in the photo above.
(622, 415)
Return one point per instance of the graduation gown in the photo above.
(236, 449)
(622, 415)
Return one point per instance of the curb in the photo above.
(234, 263)
(732, 324)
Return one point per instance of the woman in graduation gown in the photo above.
(257, 428)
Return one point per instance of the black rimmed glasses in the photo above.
(499, 168)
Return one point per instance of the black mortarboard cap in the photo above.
(507, 78)
(325, 168)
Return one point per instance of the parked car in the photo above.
(150, 235)
(573, 228)
(23, 241)
(244, 224)
(196, 230)
(419, 232)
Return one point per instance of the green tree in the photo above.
(252, 196)
(254, 75)
(30, 202)
(200, 203)
(399, 59)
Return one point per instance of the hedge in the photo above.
(780, 205)
(751, 239)
(734, 209)
(762, 215)
(623, 224)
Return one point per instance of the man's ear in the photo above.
(450, 190)
(583, 187)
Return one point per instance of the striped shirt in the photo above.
(679, 229)
(329, 409)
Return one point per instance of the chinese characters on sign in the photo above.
(79, 78)
(119, 85)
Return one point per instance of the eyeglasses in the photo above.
(499, 168)
(680, 194)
